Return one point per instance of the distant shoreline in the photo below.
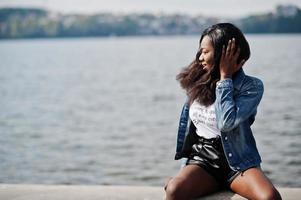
(32, 23)
(134, 36)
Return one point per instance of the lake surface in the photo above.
(106, 110)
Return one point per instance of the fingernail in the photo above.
(233, 38)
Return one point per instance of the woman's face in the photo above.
(206, 49)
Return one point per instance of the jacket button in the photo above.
(226, 138)
(230, 154)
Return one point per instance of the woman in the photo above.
(215, 140)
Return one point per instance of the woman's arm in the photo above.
(230, 111)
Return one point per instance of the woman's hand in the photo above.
(228, 63)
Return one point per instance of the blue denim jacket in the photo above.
(235, 106)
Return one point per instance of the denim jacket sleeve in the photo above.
(232, 109)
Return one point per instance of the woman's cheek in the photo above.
(210, 60)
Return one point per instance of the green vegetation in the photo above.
(287, 19)
(38, 23)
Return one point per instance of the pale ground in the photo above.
(81, 192)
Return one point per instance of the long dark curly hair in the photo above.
(200, 83)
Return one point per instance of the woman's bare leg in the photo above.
(254, 185)
(192, 181)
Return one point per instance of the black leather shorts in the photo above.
(209, 154)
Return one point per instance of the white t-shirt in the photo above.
(204, 120)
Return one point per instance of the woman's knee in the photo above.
(175, 189)
(271, 194)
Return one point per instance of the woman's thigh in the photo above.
(191, 181)
(253, 184)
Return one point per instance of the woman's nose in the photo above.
(201, 58)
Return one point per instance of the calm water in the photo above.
(105, 110)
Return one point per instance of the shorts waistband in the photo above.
(209, 140)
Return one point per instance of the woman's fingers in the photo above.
(231, 52)
(230, 55)
(232, 47)
(237, 53)
(228, 50)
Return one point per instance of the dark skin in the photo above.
(192, 181)
(228, 63)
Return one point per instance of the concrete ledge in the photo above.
(78, 192)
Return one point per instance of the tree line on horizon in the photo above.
(39, 23)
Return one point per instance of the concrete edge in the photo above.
(110, 192)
